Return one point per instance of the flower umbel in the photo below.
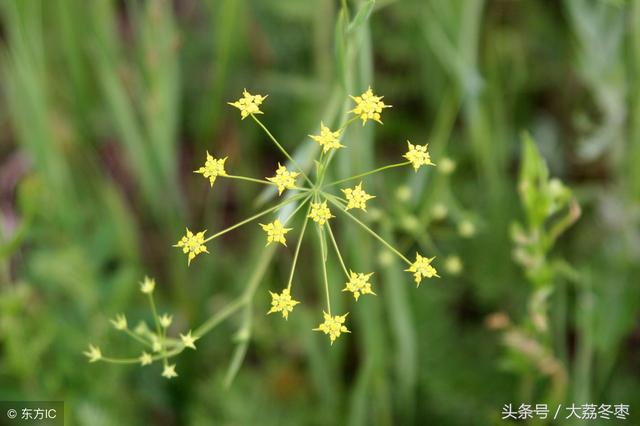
(188, 340)
(147, 285)
(357, 197)
(284, 179)
(320, 213)
(327, 139)
(120, 322)
(212, 168)
(368, 106)
(248, 104)
(359, 284)
(333, 326)
(282, 302)
(275, 232)
(169, 371)
(145, 359)
(192, 244)
(418, 156)
(422, 268)
(93, 353)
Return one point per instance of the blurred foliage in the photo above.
(107, 106)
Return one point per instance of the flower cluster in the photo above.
(299, 191)
(318, 196)
(158, 347)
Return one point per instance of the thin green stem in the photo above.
(280, 147)
(134, 336)
(261, 181)
(390, 166)
(256, 216)
(335, 246)
(295, 255)
(366, 228)
(216, 319)
(168, 354)
(293, 213)
(324, 265)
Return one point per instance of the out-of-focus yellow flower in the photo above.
(147, 285)
(275, 232)
(418, 156)
(466, 229)
(422, 268)
(188, 340)
(192, 244)
(368, 106)
(166, 320)
(447, 165)
(327, 139)
(155, 344)
(333, 326)
(320, 213)
(284, 179)
(120, 322)
(453, 265)
(93, 353)
(145, 359)
(282, 302)
(359, 284)
(357, 197)
(212, 168)
(248, 104)
(169, 371)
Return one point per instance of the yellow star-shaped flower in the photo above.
(188, 340)
(368, 106)
(93, 353)
(275, 232)
(248, 104)
(333, 326)
(284, 179)
(320, 213)
(327, 139)
(357, 197)
(422, 268)
(147, 285)
(418, 156)
(359, 284)
(192, 244)
(120, 322)
(145, 359)
(282, 302)
(169, 371)
(212, 168)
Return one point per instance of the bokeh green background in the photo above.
(107, 107)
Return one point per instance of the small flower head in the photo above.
(248, 104)
(333, 326)
(422, 268)
(165, 320)
(212, 168)
(155, 344)
(320, 213)
(188, 340)
(447, 165)
(284, 179)
(275, 232)
(418, 156)
(145, 359)
(282, 302)
(120, 322)
(327, 139)
(359, 284)
(169, 371)
(453, 265)
(357, 197)
(147, 285)
(466, 229)
(93, 353)
(368, 106)
(192, 244)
